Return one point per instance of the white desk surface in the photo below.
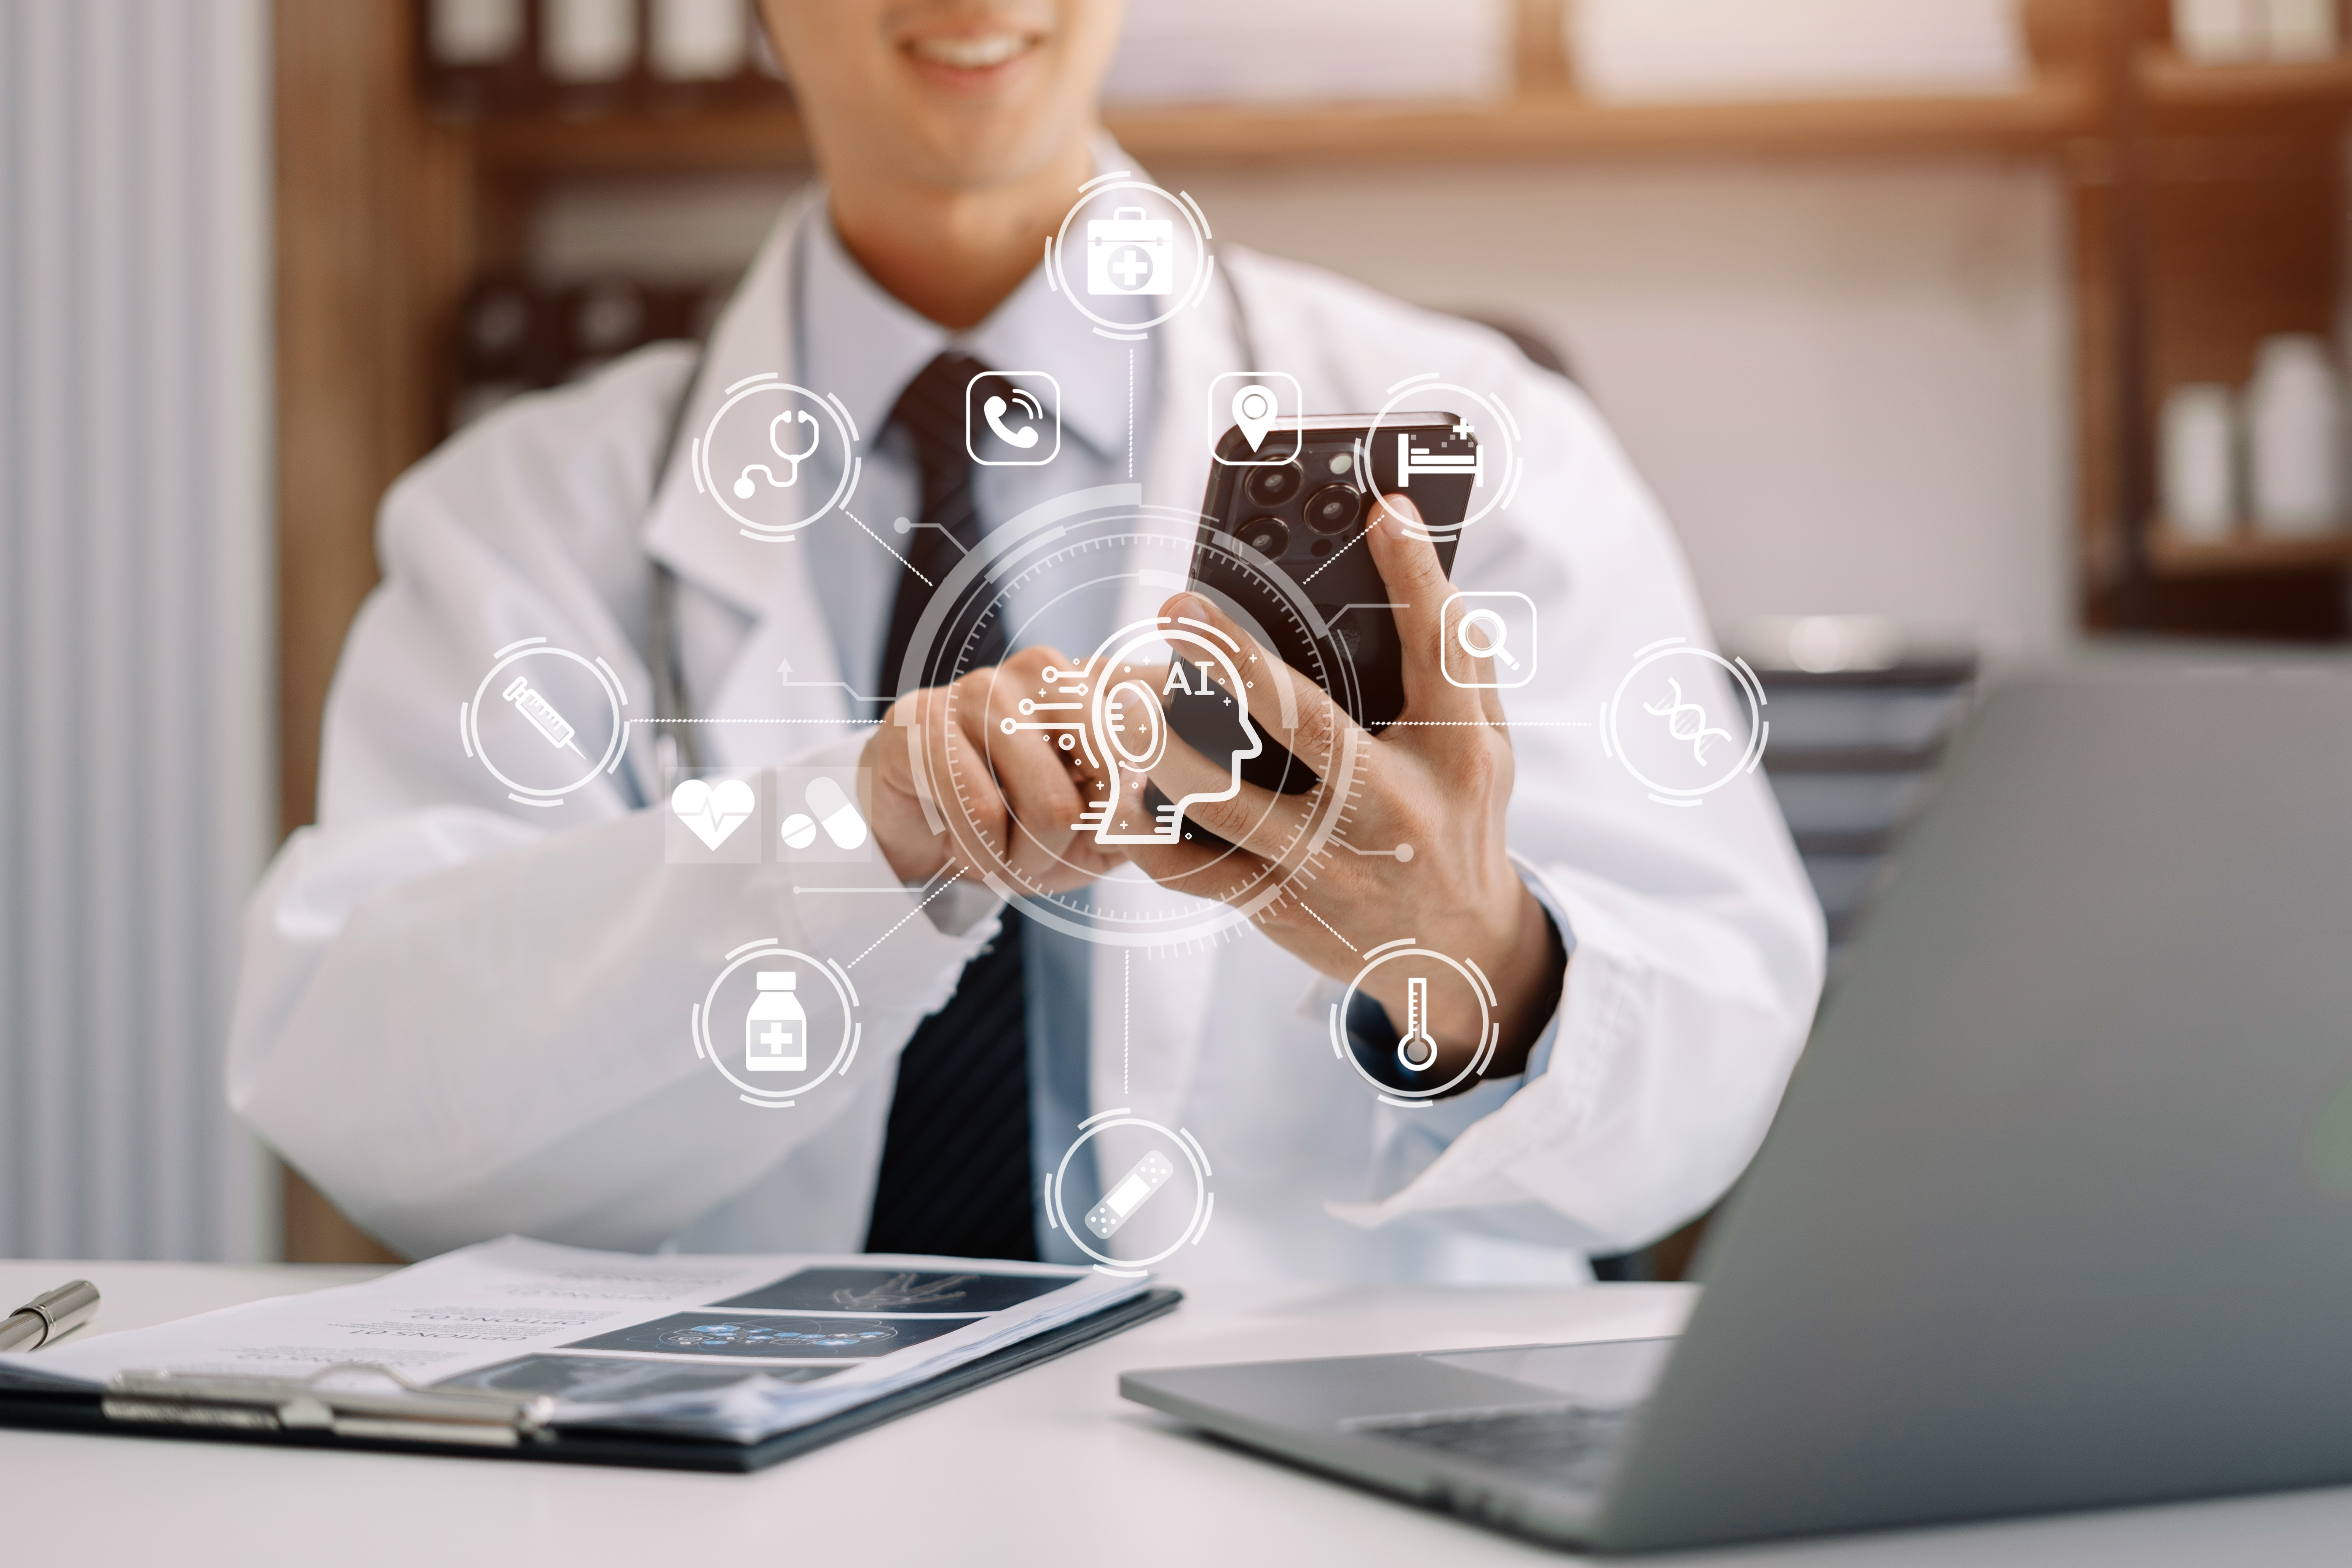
(1048, 1466)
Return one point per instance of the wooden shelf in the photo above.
(1533, 125)
(2172, 83)
(2172, 555)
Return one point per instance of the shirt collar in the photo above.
(863, 346)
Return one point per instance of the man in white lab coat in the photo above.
(462, 1014)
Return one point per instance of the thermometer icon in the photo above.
(1416, 1028)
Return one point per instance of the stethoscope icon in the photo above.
(744, 485)
(1499, 633)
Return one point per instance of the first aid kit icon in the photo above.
(1130, 252)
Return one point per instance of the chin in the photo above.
(966, 93)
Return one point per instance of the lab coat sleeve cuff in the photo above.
(1659, 1082)
(1410, 1140)
(959, 906)
(1539, 1056)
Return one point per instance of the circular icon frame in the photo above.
(1509, 467)
(853, 1028)
(1204, 1201)
(843, 427)
(616, 698)
(1490, 1033)
(1107, 525)
(1195, 220)
(1744, 680)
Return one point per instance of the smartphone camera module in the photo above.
(1272, 486)
(1334, 508)
(1269, 536)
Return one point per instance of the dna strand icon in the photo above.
(1685, 721)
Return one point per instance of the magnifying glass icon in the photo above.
(1496, 631)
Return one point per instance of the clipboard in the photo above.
(488, 1426)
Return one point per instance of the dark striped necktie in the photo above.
(955, 1175)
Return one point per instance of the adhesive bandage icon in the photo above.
(1130, 1192)
(541, 712)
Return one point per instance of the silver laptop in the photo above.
(2057, 1212)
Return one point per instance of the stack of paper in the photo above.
(1627, 50)
(733, 1348)
(1311, 51)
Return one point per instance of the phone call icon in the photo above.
(1012, 418)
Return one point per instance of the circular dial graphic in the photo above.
(1159, 719)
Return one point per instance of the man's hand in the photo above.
(1438, 781)
(1009, 801)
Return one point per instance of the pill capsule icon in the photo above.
(836, 812)
(1130, 1193)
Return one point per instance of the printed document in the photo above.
(736, 1348)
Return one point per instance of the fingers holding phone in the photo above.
(1418, 589)
(1008, 795)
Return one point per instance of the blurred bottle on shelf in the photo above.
(2235, 32)
(477, 53)
(699, 40)
(2295, 438)
(516, 336)
(2199, 461)
(600, 319)
(588, 52)
(505, 347)
(582, 57)
(2302, 30)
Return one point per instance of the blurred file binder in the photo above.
(1630, 50)
(1311, 51)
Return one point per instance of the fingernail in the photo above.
(1400, 515)
(1187, 604)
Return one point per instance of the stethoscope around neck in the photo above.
(674, 742)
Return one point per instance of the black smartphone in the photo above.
(1282, 549)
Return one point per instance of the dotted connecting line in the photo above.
(1326, 925)
(886, 544)
(1342, 550)
(911, 914)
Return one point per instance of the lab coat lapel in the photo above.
(770, 580)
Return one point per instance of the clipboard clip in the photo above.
(404, 1412)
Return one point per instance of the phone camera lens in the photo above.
(1334, 506)
(1269, 536)
(1272, 486)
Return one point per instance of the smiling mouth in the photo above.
(973, 52)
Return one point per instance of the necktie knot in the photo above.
(931, 412)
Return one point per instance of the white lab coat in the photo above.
(460, 1017)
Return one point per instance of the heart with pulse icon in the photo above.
(713, 810)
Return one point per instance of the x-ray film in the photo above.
(1131, 1192)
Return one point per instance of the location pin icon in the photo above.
(1255, 408)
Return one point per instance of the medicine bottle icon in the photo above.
(775, 1037)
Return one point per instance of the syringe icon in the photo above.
(541, 712)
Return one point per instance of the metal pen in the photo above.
(52, 1315)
